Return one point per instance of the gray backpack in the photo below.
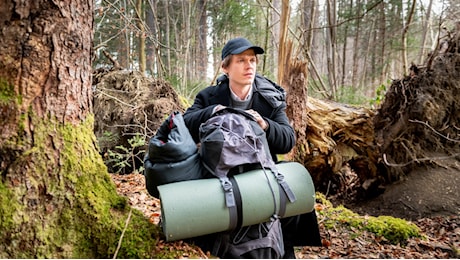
(231, 143)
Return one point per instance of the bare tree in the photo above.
(426, 24)
(404, 36)
(201, 52)
(140, 15)
(331, 45)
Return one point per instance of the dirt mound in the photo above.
(128, 104)
(427, 191)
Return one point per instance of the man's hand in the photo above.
(262, 123)
(217, 108)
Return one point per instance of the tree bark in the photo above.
(425, 27)
(295, 80)
(124, 46)
(331, 43)
(356, 50)
(404, 36)
(56, 198)
(201, 57)
(141, 35)
(152, 41)
(284, 23)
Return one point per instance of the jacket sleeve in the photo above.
(280, 134)
(198, 113)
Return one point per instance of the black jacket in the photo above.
(269, 100)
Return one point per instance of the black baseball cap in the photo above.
(238, 45)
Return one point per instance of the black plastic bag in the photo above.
(172, 155)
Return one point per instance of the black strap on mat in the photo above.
(239, 205)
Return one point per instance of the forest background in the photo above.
(56, 198)
(353, 48)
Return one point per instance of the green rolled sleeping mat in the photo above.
(197, 207)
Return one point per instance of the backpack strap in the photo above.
(230, 201)
(239, 204)
(284, 185)
(285, 191)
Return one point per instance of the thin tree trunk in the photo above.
(404, 36)
(201, 58)
(185, 43)
(309, 36)
(140, 24)
(167, 39)
(382, 42)
(124, 48)
(308, 20)
(356, 49)
(151, 40)
(331, 47)
(426, 24)
(363, 76)
(284, 19)
(344, 51)
(275, 18)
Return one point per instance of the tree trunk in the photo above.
(141, 42)
(295, 80)
(56, 198)
(152, 41)
(356, 50)
(201, 58)
(275, 18)
(404, 36)
(382, 42)
(124, 47)
(331, 44)
(167, 38)
(425, 27)
(284, 23)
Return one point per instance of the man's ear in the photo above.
(222, 67)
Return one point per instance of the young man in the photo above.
(242, 88)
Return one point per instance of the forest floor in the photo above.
(426, 198)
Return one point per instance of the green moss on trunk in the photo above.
(58, 201)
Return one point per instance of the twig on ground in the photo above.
(122, 234)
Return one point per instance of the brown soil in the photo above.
(425, 192)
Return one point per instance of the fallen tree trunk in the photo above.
(339, 148)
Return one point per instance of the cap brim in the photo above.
(256, 49)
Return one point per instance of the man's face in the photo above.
(242, 68)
